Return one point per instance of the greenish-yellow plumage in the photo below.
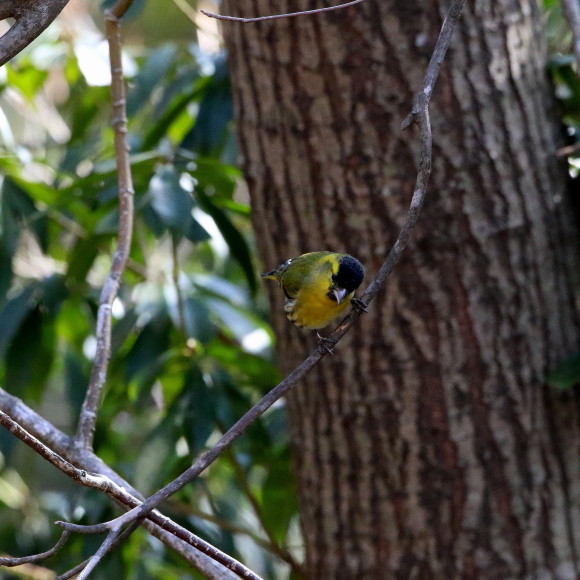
(318, 286)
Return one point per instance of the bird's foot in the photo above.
(359, 305)
(325, 343)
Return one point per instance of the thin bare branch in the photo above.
(52, 457)
(31, 18)
(11, 562)
(72, 572)
(276, 16)
(113, 538)
(568, 150)
(114, 530)
(83, 569)
(88, 416)
(94, 481)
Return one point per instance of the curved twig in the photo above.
(277, 16)
(11, 562)
(88, 416)
(78, 571)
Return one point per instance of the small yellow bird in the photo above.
(318, 286)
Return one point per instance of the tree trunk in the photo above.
(427, 447)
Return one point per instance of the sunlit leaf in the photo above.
(198, 324)
(215, 112)
(170, 201)
(150, 75)
(236, 242)
(26, 78)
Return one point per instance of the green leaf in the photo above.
(222, 178)
(20, 208)
(170, 201)
(258, 372)
(152, 73)
(215, 112)
(160, 128)
(153, 221)
(29, 356)
(220, 287)
(197, 320)
(14, 313)
(9, 224)
(5, 275)
(566, 374)
(108, 224)
(237, 244)
(81, 259)
(157, 455)
(53, 293)
(196, 232)
(237, 321)
(28, 79)
(76, 380)
(279, 497)
(122, 329)
(142, 361)
(202, 402)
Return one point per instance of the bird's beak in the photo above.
(339, 293)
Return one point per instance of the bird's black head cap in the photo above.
(350, 274)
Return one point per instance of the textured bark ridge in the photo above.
(428, 447)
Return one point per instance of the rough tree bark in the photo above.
(428, 447)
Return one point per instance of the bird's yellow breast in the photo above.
(312, 308)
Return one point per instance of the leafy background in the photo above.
(192, 350)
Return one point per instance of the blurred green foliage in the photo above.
(191, 351)
(565, 76)
(566, 82)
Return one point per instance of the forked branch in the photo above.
(157, 524)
